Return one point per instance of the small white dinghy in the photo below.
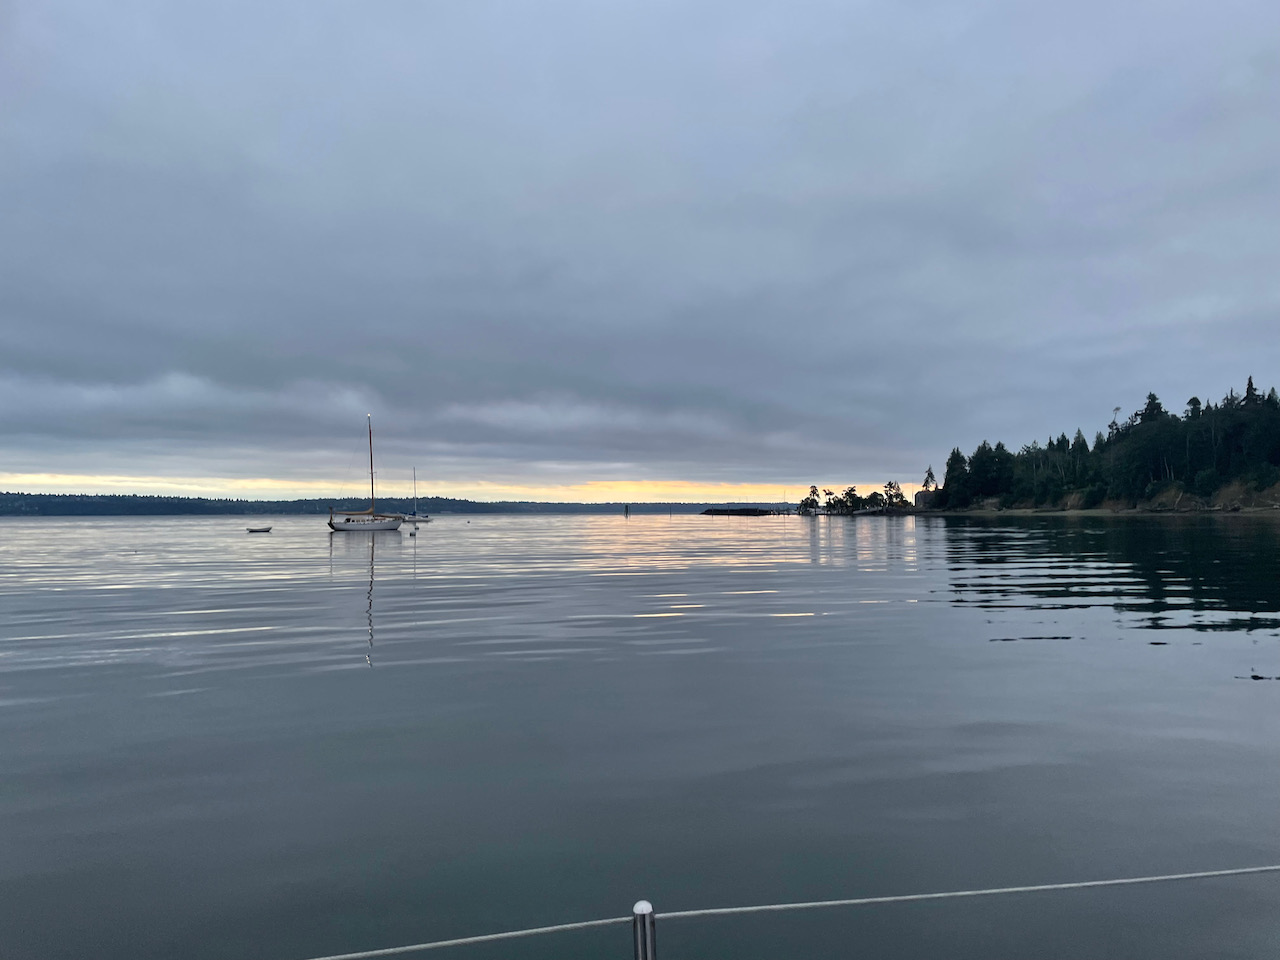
(258, 529)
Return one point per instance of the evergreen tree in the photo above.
(1079, 458)
(1251, 398)
(955, 481)
(1152, 411)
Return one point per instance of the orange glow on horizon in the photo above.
(264, 488)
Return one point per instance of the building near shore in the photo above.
(925, 499)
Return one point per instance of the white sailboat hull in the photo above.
(364, 524)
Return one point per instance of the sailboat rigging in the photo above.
(415, 518)
(347, 521)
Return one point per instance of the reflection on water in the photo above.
(188, 597)
(570, 713)
(369, 541)
(1163, 573)
(369, 610)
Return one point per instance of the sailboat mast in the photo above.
(371, 505)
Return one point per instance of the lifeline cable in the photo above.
(991, 892)
(805, 905)
(484, 938)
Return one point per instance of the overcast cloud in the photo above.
(543, 242)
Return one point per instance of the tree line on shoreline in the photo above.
(850, 501)
(1154, 451)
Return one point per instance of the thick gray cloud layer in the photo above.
(701, 240)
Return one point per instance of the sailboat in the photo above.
(414, 518)
(352, 521)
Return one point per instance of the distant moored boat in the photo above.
(415, 518)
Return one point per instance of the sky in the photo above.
(618, 250)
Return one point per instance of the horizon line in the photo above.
(269, 489)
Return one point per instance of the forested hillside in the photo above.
(1153, 452)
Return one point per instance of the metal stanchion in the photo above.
(643, 927)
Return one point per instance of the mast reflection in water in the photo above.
(368, 591)
(369, 609)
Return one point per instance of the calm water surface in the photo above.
(221, 745)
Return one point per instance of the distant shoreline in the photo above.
(134, 505)
(137, 505)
